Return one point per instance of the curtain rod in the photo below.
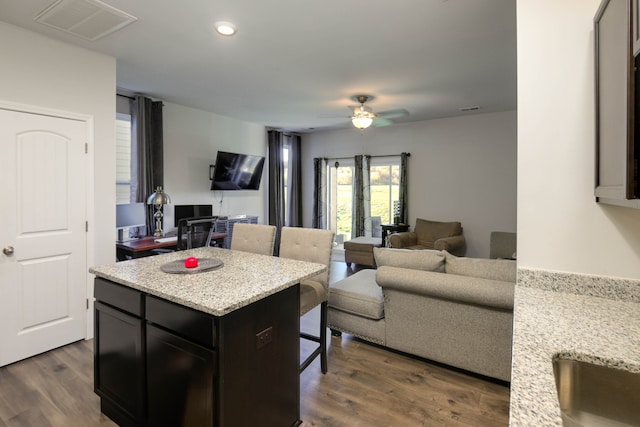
(269, 129)
(380, 155)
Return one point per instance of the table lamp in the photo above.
(158, 199)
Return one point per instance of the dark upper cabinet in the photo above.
(617, 37)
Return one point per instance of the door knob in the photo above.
(8, 250)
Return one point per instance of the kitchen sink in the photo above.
(596, 395)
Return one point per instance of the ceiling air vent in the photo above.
(88, 19)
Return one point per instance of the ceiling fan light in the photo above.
(362, 122)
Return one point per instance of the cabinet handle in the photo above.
(8, 250)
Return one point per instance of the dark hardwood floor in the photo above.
(366, 386)
(51, 389)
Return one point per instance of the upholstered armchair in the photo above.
(431, 235)
(502, 244)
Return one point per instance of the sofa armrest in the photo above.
(464, 289)
(454, 245)
(403, 240)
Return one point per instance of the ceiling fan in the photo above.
(363, 116)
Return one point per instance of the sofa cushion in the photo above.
(452, 287)
(358, 294)
(428, 232)
(427, 260)
(492, 269)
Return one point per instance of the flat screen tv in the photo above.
(235, 171)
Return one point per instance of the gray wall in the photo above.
(560, 226)
(192, 139)
(461, 168)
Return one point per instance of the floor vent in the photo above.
(88, 19)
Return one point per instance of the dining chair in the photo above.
(254, 238)
(313, 245)
(195, 232)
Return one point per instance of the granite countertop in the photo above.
(243, 279)
(601, 325)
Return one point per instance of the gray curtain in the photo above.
(294, 196)
(320, 193)
(275, 141)
(361, 205)
(404, 183)
(366, 194)
(147, 151)
(279, 215)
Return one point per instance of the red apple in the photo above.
(191, 262)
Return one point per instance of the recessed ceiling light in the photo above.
(225, 28)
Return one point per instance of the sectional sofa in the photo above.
(432, 304)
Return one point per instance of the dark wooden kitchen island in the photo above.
(216, 348)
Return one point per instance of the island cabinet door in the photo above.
(259, 359)
(180, 381)
(119, 364)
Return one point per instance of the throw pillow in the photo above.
(427, 260)
(493, 269)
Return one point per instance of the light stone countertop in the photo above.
(243, 279)
(552, 317)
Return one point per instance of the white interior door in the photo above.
(43, 234)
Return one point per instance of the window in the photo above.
(123, 158)
(385, 187)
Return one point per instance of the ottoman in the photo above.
(360, 250)
(356, 306)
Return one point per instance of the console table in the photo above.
(137, 248)
(217, 348)
(144, 246)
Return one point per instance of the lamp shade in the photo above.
(158, 198)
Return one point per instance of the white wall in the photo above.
(460, 169)
(560, 227)
(191, 140)
(42, 72)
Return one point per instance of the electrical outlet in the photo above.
(263, 338)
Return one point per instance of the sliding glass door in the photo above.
(341, 198)
(385, 188)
